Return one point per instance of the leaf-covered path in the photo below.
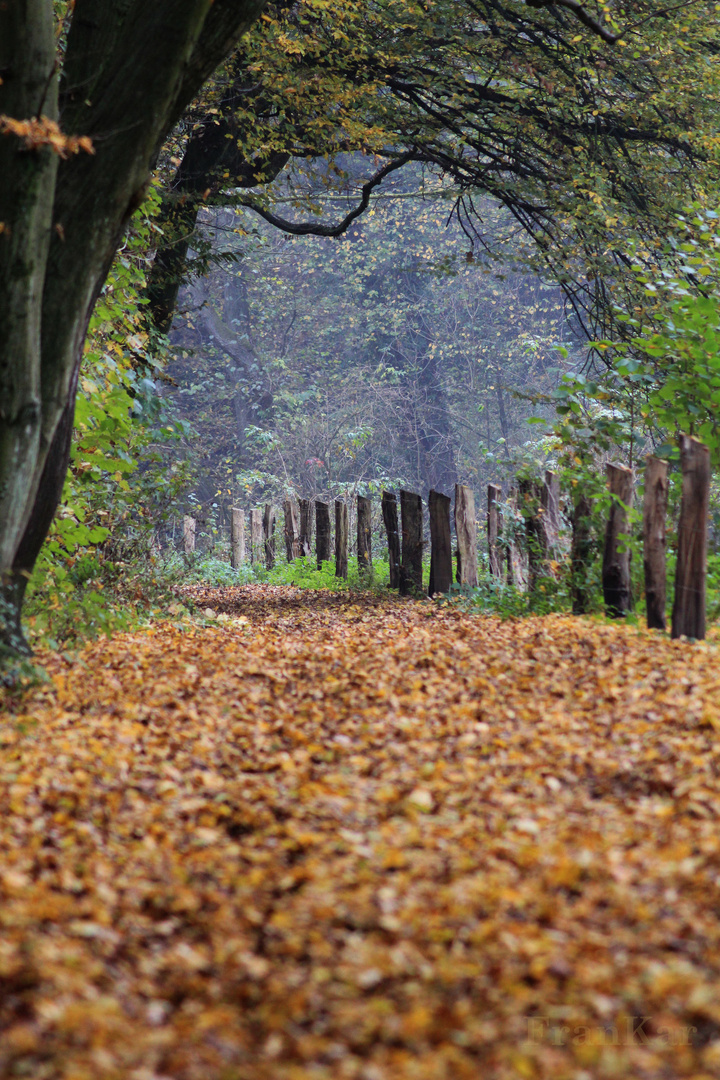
(340, 837)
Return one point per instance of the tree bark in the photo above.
(466, 534)
(440, 543)
(688, 616)
(256, 536)
(550, 516)
(322, 532)
(128, 72)
(341, 539)
(390, 520)
(493, 530)
(269, 536)
(530, 495)
(654, 548)
(305, 528)
(292, 529)
(237, 537)
(364, 535)
(516, 575)
(616, 556)
(412, 543)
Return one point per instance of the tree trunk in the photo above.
(688, 616)
(412, 543)
(341, 539)
(550, 516)
(237, 537)
(493, 531)
(364, 535)
(256, 536)
(305, 528)
(390, 520)
(292, 529)
(322, 532)
(530, 495)
(129, 70)
(269, 536)
(616, 556)
(440, 544)
(654, 552)
(516, 575)
(466, 534)
(580, 551)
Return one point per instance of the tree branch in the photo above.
(580, 14)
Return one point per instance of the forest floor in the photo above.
(337, 836)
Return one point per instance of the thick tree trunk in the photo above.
(654, 553)
(256, 536)
(688, 616)
(390, 520)
(128, 72)
(292, 529)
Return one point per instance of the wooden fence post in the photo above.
(616, 563)
(364, 535)
(237, 537)
(516, 577)
(305, 527)
(550, 516)
(188, 535)
(493, 530)
(412, 543)
(322, 532)
(269, 535)
(580, 548)
(654, 554)
(292, 529)
(440, 543)
(341, 539)
(390, 520)
(256, 540)
(688, 616)
(466, 536)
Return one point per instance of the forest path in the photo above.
(338, 836)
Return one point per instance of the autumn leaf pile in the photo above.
(329, 836)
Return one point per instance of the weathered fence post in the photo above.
(292, 529)
(305, 527)
(493, 530)
(322, 532)
(466, 536)
(390, 520)
(188, 535)
(440, 543)
(256, 541)
(580, 549)
(237, 537)
(412, 543)
(550, 516)
(341, 539)
(364, 535)
(516, 577)
(688, 616)
(616, 563)
(269, 535)
(654, 554)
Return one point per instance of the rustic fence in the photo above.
(523, 558)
